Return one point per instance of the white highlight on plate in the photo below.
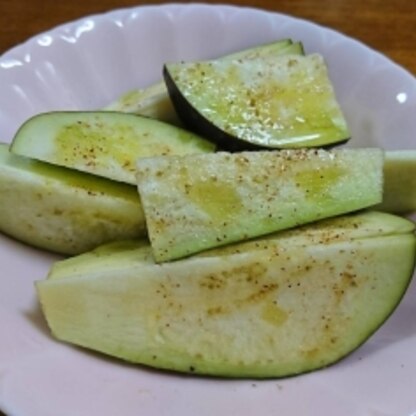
(20, 92)
(401, 97)
(10, 63)
(119, 22)
(86, 26)
(45, 40)
(69, 39)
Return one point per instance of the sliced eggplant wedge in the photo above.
(399, 182)
(64, 211)
(154, 100)
(268, 50)
(274, 307)
(103, 143)
(110, 256)
(129, 253)
(193, 203)
(275, 102)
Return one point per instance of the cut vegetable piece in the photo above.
(271, 309)
(295, 48)
(127, 254)
(111, 256)
(64, 211)
(266, 50)
(103, 143)
(154, 101)
(399, 182)
(192, 203)
(278, 102)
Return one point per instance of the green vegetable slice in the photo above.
(399, 182)
(154, 100)
(103, 143)
(193, 203)
(270, 308)
(280, 102)
(64, 211)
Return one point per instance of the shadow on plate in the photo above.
(36, 318)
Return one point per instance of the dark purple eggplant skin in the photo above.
(193, 120)
(196, 122)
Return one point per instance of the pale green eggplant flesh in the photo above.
(285, 101)
(203, 201)
(64, 211)
(154, 100)
(102, 143)
(273, 307)
(129, 253)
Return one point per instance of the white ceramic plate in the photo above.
(85, 65)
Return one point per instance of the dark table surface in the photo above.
(388, 25)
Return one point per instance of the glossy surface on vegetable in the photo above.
(154, 100)
(274, 102)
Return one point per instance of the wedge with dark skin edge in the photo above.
(64, 211)
(281, 102)
(193, 203)
(288, 304)
(154, 100)
(102, 143)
